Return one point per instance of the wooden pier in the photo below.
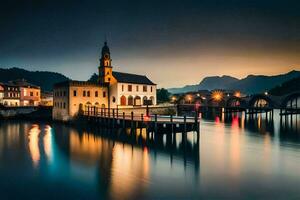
(153, 123)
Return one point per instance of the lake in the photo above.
(233, 157)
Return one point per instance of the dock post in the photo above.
(113, 122)
(142, 122)
(131, 120)
(171, 120)
(184, 123)
(155, 123)
(196, 122)
(123, 119)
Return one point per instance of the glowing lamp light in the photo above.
(147, 118)
(266, 93)
(217, 95)
(173, 98)
(237, 94)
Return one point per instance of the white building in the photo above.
(125, 90)
(111, 90)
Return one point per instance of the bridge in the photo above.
(259, 103)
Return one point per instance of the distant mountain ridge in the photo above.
(249, 85)
(44, 79)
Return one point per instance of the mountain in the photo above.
(287, 87)
(44, 79)
(249, 85)
(213, 82)
(208, 83)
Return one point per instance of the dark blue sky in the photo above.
(173, 42)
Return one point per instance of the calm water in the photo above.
(234, 158)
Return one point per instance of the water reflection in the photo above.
(92, 163)
(33, 144)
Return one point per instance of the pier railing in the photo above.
(117, 114)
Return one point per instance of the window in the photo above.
(129, 88)
(122, 88)
(137, 88)
(74, 93)
(64, 105)
(114, 99)
(37, 93)
(31, 94)
(144, 88)
(151, 88)
(108, 79)
(104, 94)
(84, 93)
(88, 93)
(65, 93)
(96, 94)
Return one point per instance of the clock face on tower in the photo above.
(106, 56)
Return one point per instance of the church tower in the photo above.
(105, 68)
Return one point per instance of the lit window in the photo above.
(122, 88)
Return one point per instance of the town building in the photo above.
(72, 97)
(111, 89)
(10, 95)
(126, 90)
(30, 95)
(46, 99)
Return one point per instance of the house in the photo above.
(111, 90)
(10, 95)
(47, 99)
(30, 95)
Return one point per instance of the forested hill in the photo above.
(44, 79)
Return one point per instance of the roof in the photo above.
(22, 83)
(132, 78)
(75, 83)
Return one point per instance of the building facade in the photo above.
(110, 90)
(71, 98)
(125, 90)
(11, 95)
(30, 95)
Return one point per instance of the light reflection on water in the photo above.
(236, 157)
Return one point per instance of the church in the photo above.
(111, 90)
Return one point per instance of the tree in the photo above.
(94, 78)
(163, 95)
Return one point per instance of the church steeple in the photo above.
(105, 59)
(105, 68)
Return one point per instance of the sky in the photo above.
(174, 43)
